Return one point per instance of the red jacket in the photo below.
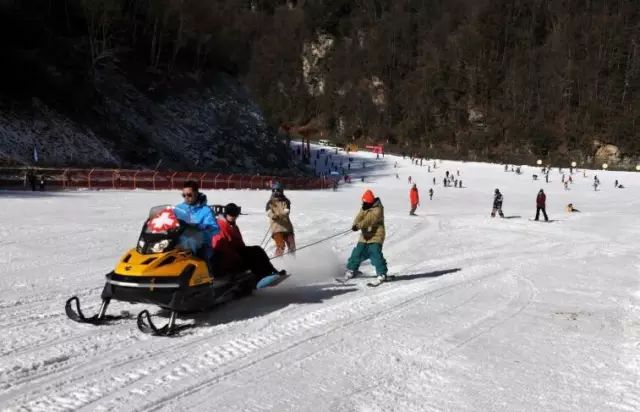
(227, 244)
(541, 199)
(414, 198)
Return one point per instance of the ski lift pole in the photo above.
(312, 244)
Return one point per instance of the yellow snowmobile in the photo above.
(161, 272)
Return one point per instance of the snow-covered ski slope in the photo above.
(485, 314)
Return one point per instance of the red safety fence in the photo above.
(14, 177)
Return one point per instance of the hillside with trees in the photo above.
(500, 80)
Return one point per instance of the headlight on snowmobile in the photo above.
(141, 244)
(160, 246)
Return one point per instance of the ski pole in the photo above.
(264, 238)
(313, 244)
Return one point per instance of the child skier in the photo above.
(370, 221)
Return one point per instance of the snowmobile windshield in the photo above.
(162, 220)
(160, 231)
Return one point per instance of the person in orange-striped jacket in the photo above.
(414, 199)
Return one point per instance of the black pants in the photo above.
(255, 259)
(497, 209)
(544, 212)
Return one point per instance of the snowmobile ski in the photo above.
(543, 221)
(100, 318)
(146, 325)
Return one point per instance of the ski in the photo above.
(377, 282)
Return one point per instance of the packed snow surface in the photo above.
(485, 314)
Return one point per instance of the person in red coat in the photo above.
(231, 255)
(414, 199)
(541, 205)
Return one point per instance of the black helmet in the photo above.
(232, 210)
(497, 191)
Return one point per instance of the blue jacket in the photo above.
(201, 216)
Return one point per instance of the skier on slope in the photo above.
(497, 204)
(370, 221)
(541, 205)
(414, 199)
(431, 194)
(278, 209)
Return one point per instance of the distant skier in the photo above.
(546, 177)
(431, 194)
(410, 180)
(497, 204)
(370, 221)
(444, 182)
(278, 209)
(616, 184)
(414, 199)
(541, 205)
(434, 181)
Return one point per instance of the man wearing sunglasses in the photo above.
(197, 215)
(231, 255)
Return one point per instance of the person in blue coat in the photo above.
(195, 212)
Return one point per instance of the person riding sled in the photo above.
(202, 225)
(370, 222)
(231, 255)
(278, 209)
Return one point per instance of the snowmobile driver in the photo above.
(231, 255)
(370, 221)
(199, 217)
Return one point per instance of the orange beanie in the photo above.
(368, 197)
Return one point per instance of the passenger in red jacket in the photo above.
(541, 205)
(414, 199)
(231, 253)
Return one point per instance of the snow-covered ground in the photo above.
(485, 314)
